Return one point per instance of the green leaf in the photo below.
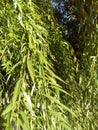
(57, 87)
(8, 121)
(7, 109)
(12, 69)
(61, 118)
(29, 108)
(30, 68)
(30, 41)
(16, 90)
(58, 102)
(25, 120)
(53, 74)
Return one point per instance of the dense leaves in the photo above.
(43, 86)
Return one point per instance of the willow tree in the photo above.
(43, 86)
(29, 91)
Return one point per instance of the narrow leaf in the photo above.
(30, 69)
(16, 90)
(60, 104)
(25, 119)
(14, 67)
(7, 109)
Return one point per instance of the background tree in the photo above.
(78, 21)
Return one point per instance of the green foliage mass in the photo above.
(42, 84)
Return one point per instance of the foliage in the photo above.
(43, 86)
(29, 92)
